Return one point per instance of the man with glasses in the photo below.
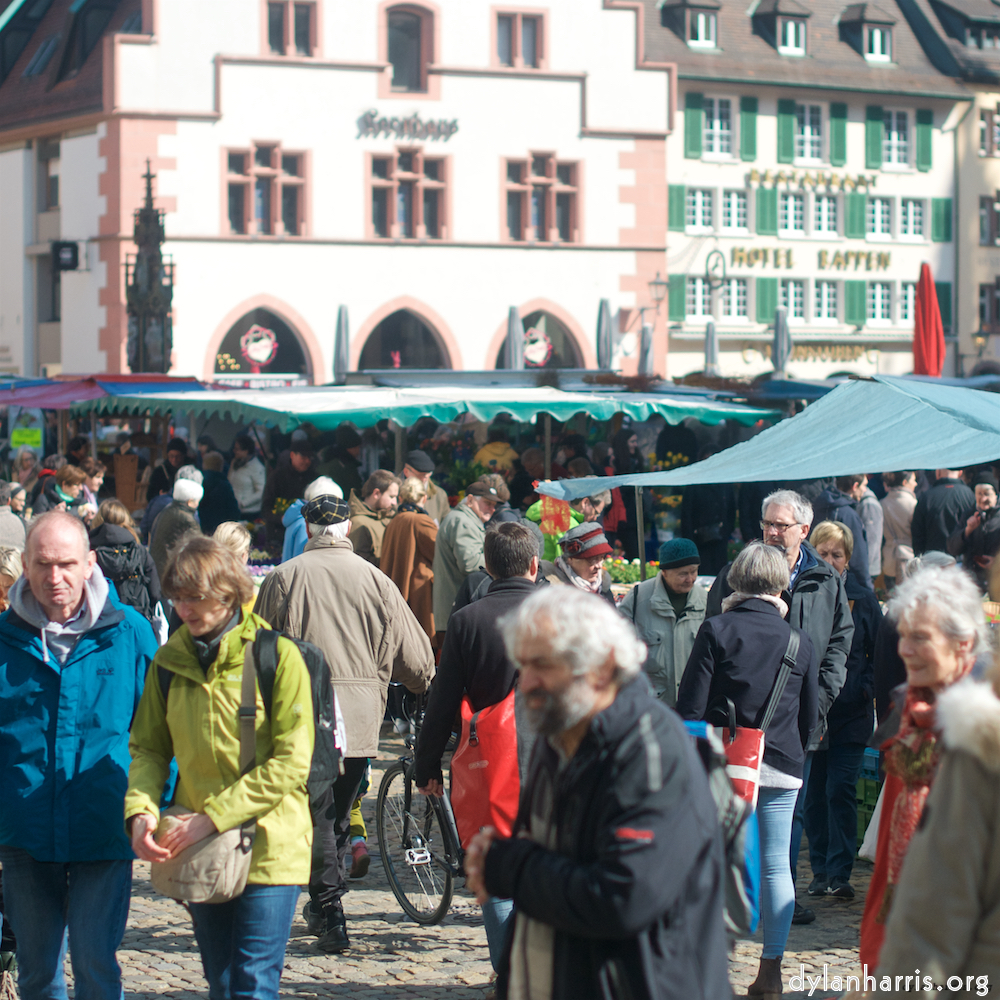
(819, 607)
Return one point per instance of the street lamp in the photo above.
(658, 289)
(657, 292)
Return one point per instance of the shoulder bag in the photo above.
(744, 745)
(215, 869)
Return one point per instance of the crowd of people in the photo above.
(127, 637)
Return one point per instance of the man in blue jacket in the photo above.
(72, 665)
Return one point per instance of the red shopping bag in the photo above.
(485, 783)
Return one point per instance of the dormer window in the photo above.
(702, 29)
(878, 43)
(982, 36)
(791, 36)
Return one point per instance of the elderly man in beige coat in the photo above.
(355, 614)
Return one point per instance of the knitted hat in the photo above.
(585, 540)
(420, 461)
(678, 552)
(347, 437)
(987, 479)
(325, 510)
(187, 489)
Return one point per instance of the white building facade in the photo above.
(426, 165)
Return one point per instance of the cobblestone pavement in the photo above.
(392, 958)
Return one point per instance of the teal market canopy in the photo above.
(878, 424)
(328, 406)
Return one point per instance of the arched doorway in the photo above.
(403, 340)
(547, 343)
(261, 343)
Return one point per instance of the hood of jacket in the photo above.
(120, 554)
(326, 542)
(97, 610)
(968, 714)
(832, 497)
(293, 514)
(360, 509)
(111, 534)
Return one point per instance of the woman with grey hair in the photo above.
(736, 661)
(938, 614)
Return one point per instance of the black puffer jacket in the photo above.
(128, 565)
(633, 887)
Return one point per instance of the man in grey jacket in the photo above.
(355, 614)
(819, 607)
(459, 548)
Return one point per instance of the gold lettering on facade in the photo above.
(813, 179)
(810, 352)
(838, 260)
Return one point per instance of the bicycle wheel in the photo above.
(416, 850)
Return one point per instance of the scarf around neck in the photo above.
(738, 597)
(578, 581)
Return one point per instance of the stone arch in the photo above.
(445, 341)
(315, 363)
(584, 348)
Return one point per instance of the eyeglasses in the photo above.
(776, 525)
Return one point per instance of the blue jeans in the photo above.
(777, 890)
(798, 821)
(242, 942)
(832, 810)
(43, 900)
(497, 915)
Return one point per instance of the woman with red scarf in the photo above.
(939, 616)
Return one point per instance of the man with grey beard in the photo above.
(615, 864)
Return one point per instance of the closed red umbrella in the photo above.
(928, 332)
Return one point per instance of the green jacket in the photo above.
(552, 550)
(457, 552)
(199, 725)
(670, 639)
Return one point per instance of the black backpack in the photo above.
(326, 759)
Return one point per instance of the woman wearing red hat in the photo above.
(581, 565)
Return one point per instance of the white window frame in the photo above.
(808, 133)
(790, 205)
(702, 297)
(796, 27)
(821, 300)
(876, 227)
(896, 151)
(875, 300)
(733, 201)
(818, 201)
(713, 137)
(704, 29)
(704, 201)
(907, 302)
(909, 210)
(740, 287)
(792, 295)
(878, 43)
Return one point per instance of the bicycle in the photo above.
(418, 840)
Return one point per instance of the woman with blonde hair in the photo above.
(123, 559)
(10, 573)
(408, 552)
(195, 718)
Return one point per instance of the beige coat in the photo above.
(670, 641)
(945, 916)
(897, 548)
(367, 528)
(457, 552)
(354, 613)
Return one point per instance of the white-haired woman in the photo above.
(612, 868)
(939, 616)
(737, 657)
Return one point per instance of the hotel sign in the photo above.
(814, 179)
(836, 260)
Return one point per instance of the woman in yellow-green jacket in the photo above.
(242, 942)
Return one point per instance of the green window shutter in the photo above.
(925, 131)
(767, 211)
(767, 299)
(677, 297)
(854, 302)
(748, 128)
(854, 215)
(676, 207)
(693, 122)
(874, 130)
(838, 135)
(941, 220)
(943, 289)
(786, 131)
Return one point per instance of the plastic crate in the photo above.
(865, 812)
(869, 764)
(867, 792)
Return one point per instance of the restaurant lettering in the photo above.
(371, 124)
(837, 260)
(814, 179)
(811, 352)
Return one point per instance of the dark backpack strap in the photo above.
(266, 661)
(784, 672)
